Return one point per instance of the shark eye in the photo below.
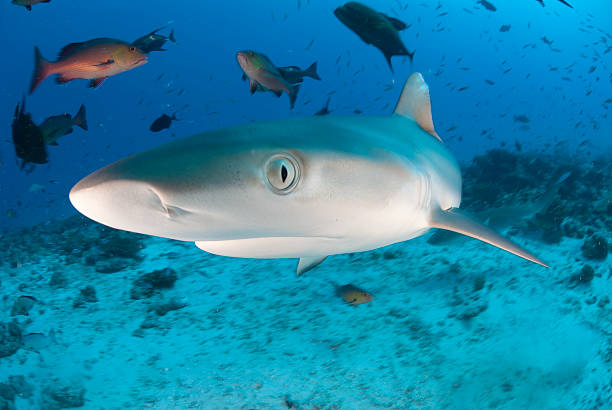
(282, 173)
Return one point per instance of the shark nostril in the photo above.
(175, 211)
(170, 211)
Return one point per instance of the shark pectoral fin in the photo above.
(414, 103)
(454, 220)
(308, 262)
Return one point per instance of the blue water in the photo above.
(455, 50)
(204, 64)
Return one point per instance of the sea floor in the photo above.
(462, 326)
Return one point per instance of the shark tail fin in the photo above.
(415, 104)
(455, 220)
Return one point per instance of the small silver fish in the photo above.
(38, 341)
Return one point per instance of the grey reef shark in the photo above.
(296, 188)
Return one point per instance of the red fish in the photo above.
(93, 60)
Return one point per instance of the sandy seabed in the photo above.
(461, 326)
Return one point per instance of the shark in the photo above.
(299, 188)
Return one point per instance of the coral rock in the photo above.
(10, 338)
(595, 247)
(63, 396)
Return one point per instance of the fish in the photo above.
(22, 305)
(36, 188)
(294, 74)
(325, 110)
(93, 60)
(27, 138)
(260, 71)
(561, 1)
(353, 295)
(162, 122)
(375, 28)
(38, 341)
(293, 188)
(487, 5)
(29, 3)
(153, 41)
(57, 126)
(547, 41)
(505, 28)
(521, 118)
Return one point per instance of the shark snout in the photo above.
(119, 203)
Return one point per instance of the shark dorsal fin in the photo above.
(414, 103)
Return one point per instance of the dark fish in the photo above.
(57, 126)
(153, 41)
(353, 295)
(325, 110)
(504, 28)
(27, 138)
(547, 41)
(562, 1)
(295, 75)
(163, 122)
(22, 305)
(487, 5)
(29, 3)
(521, 118)
(375, 28)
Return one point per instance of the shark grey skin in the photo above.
(299, 188)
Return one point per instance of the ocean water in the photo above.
(99, 318)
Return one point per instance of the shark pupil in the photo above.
(284, 173)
